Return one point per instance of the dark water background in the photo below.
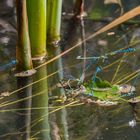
(84, 122)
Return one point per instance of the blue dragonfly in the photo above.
(8, 65)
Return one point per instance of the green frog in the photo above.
(100, 89)
(103, 90)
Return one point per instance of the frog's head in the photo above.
(126, 88)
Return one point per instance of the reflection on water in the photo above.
(24, 114)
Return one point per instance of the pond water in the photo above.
(29, 113)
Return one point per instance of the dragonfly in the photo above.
(8, 65)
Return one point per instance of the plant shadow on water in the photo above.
(23, 116)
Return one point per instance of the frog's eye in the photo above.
(124, 86)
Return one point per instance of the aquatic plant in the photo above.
(37, 27)
(53, 20)
(24, 60)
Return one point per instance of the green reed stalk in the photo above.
(54, 18)
(37, 27)
(61, 116)
(40, 118)
(24, 107)
(23, 45)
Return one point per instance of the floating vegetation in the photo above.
(100, 92)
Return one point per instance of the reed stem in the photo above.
(23, 45)
(54, 20)
(37, 27)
